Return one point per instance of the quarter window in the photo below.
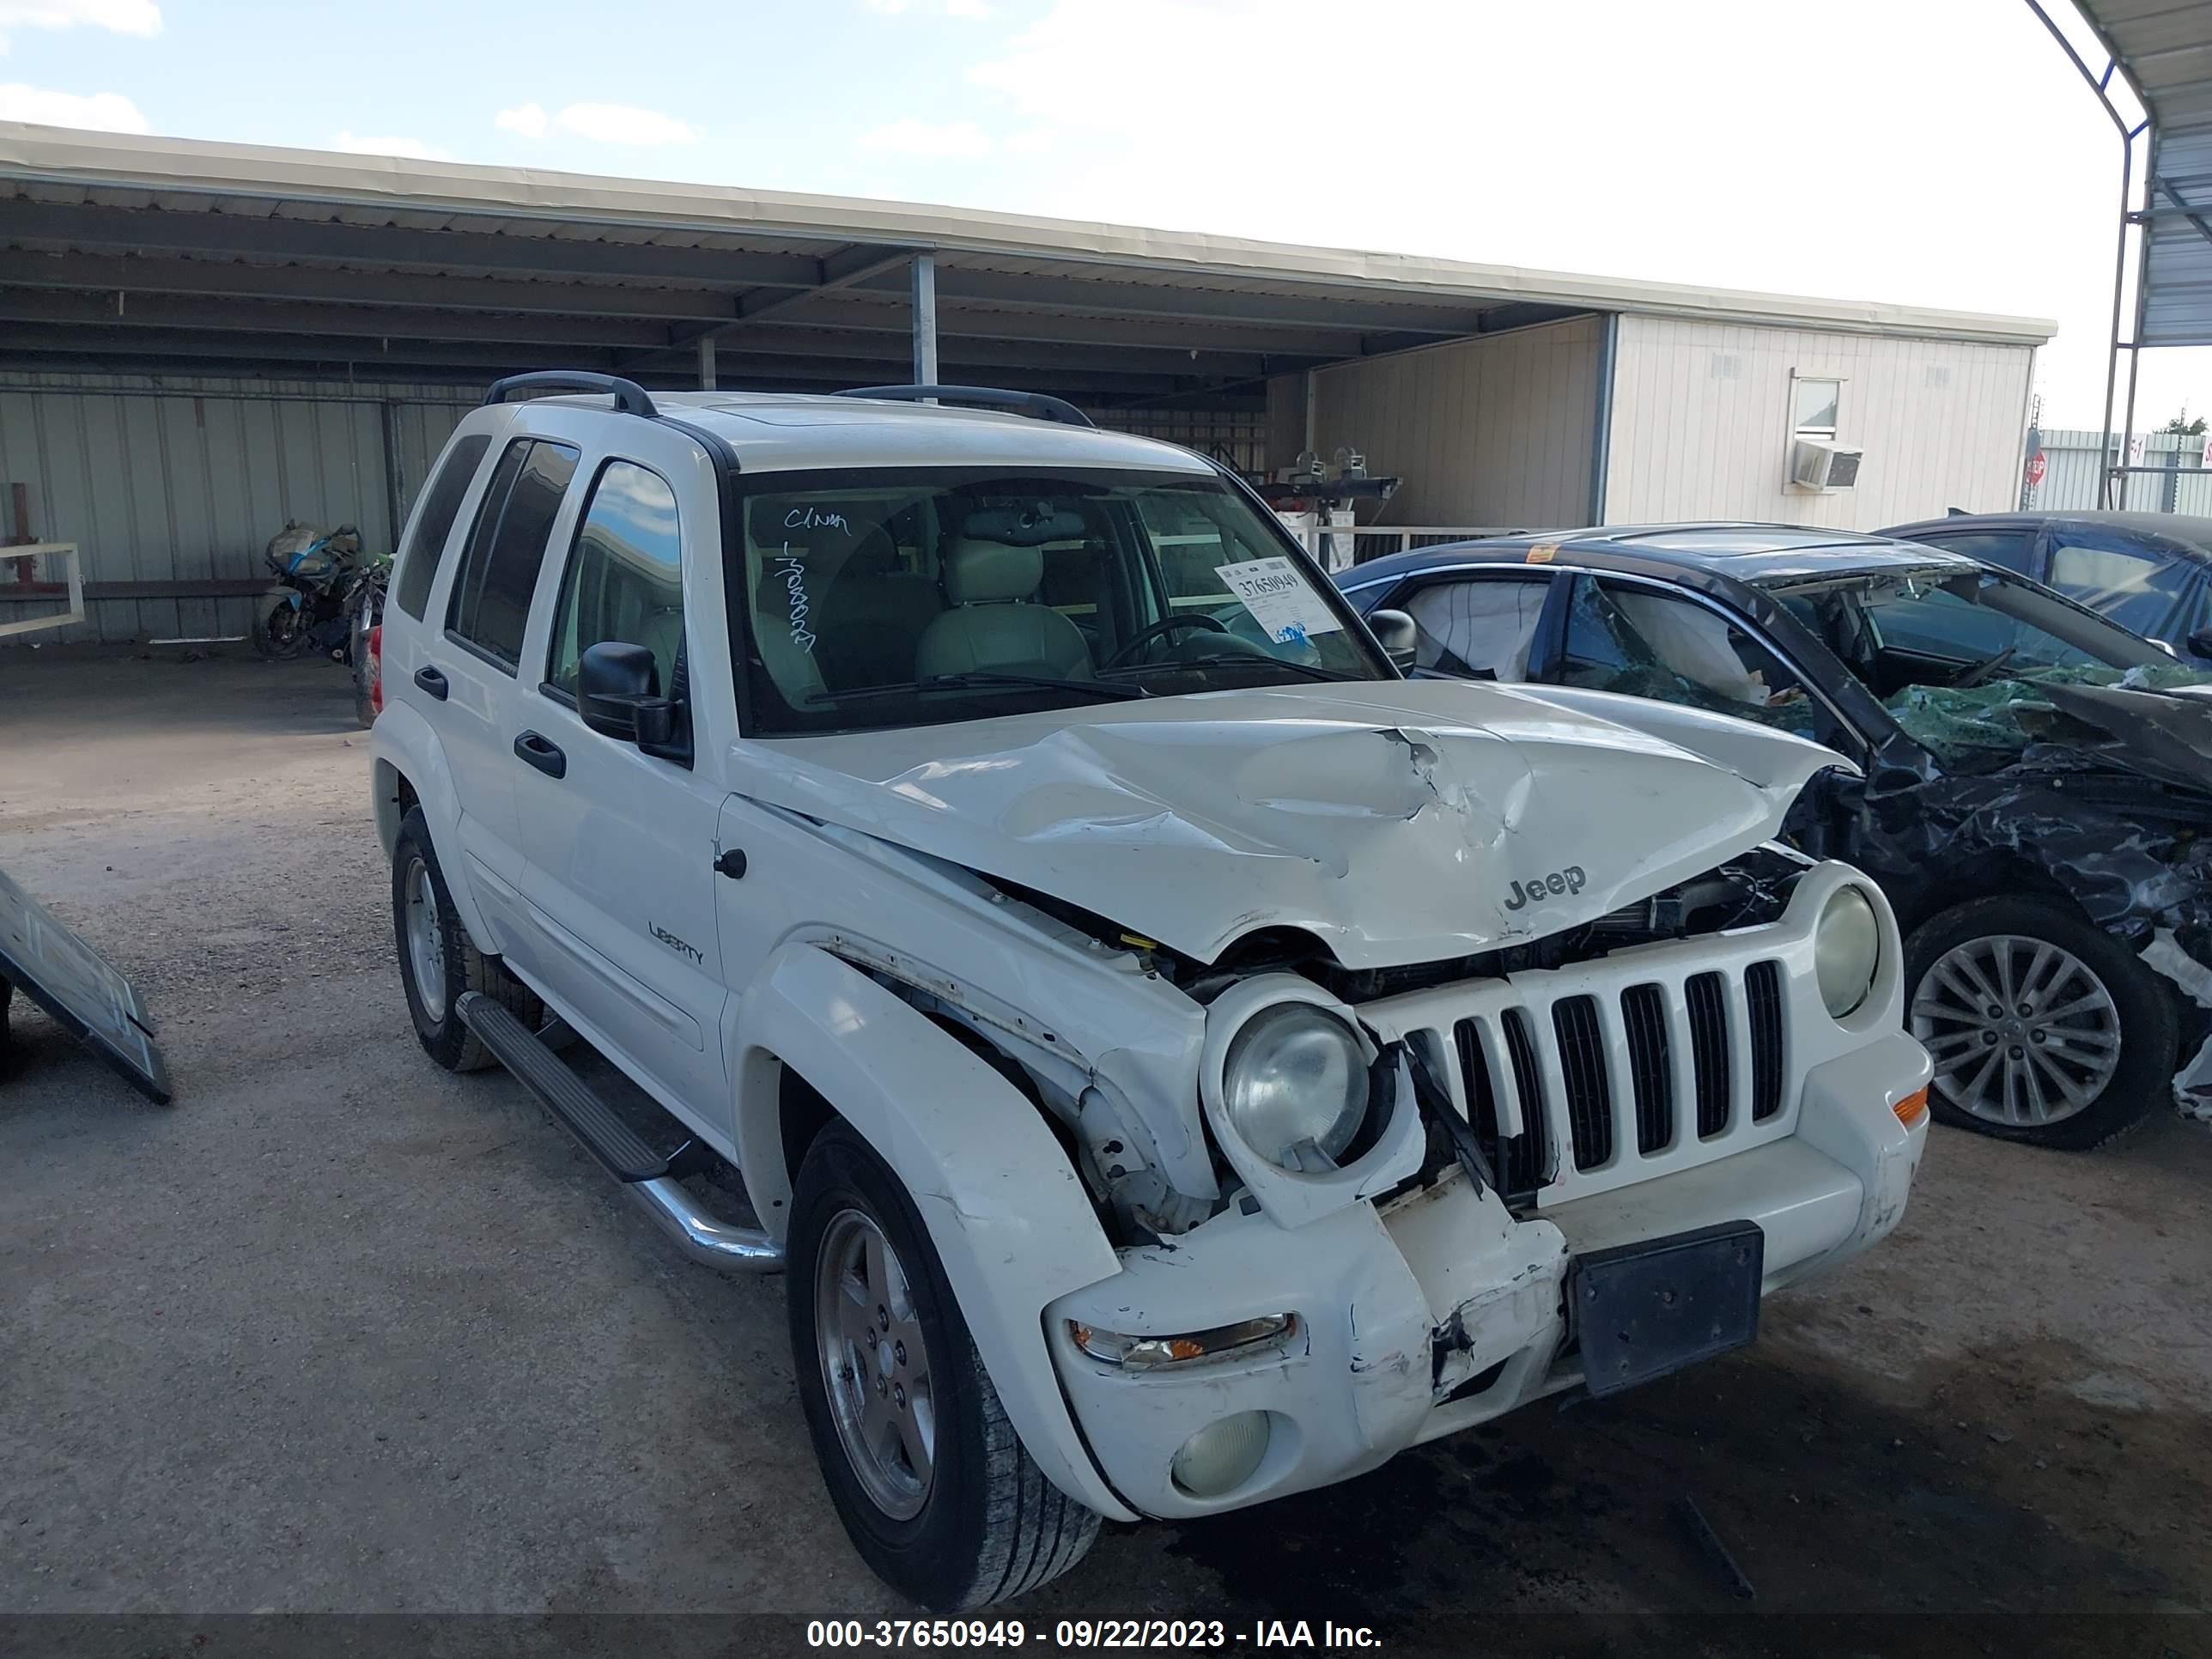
(434, 522)
(490, 605)
(625, 578)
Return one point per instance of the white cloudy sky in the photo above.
(1939, 152)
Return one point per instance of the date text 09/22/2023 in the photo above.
(1086, 1634)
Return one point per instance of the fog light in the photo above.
(1221, 1457)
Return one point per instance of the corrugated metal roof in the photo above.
(164, 250)
(178, 174)
(2165, 49)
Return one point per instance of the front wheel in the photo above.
(932, 1482)
(2043, 1027)
(280, 626)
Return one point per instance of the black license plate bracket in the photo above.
(1643, 1311)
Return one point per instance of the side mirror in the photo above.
(2200, 643)
(1398, 634)
(618, 694)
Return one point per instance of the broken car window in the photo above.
(1959, 660)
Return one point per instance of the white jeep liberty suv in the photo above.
(1177, 1059)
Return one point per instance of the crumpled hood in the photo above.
(2162, 734)
(1399, 821)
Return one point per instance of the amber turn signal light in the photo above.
(1914, 1106)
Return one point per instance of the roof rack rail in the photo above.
(1044, 407)
(631, 397)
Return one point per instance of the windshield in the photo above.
(1959, 660)
(884, 597)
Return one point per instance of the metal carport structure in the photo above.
(2161, 50)
(149, 278)
(155, 253)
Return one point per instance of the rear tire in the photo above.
(362, 616)
(437, 960)
(364, 704)
(2049, 958)
(983, 1523)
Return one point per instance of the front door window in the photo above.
(1478, 628)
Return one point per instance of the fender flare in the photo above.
(1007, 1212)
(402, 739)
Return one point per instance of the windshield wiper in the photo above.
(1227, 661)
(978, 676)
(1982, 670)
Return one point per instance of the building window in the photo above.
(1814, 408)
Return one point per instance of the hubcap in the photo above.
(2022, 1032)
(874, 1365)
(423, 954)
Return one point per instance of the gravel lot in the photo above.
(338, 1331)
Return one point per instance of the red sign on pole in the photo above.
(2036, 464)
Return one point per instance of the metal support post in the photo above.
(924, 319)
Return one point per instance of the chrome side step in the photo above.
(649, 1176)
(704, 1237)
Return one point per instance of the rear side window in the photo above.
(625, 580)
(434, 523)
(2141, 592)
(492, 590)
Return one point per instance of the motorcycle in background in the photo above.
(306, 610)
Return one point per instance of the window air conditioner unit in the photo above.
(1816, 464)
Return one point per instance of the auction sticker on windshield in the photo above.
(1280, 599)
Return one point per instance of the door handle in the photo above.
(545, 756)
(429, 679)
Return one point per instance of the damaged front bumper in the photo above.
(1441, 1310)
(2192, 1083)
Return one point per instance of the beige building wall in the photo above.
(1496, 432)
(1702, 412)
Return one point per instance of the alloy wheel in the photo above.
(425, 953)
(875, 1366)
(2022, 1032)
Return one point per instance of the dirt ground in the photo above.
(339, 1333)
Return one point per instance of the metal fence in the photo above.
(2072, 467)
(1339, 547)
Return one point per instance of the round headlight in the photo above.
(1295, 1080)
(1846, 951)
